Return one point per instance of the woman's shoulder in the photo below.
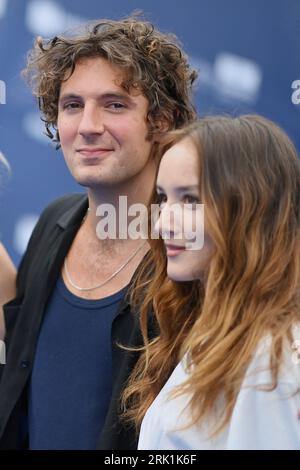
(259, 371)
(7, 283)
(5, 261)
(7, 275)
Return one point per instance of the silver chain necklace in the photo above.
(106, 280)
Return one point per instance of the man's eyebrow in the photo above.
(67, 96)
(104, 96)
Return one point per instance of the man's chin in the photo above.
(95, 183)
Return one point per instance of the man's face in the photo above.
(102, 128)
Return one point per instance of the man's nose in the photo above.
(91, 122)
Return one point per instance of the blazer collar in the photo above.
(75, 214)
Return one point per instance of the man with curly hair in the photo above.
(106, 95)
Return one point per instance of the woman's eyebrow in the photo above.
(180, 188)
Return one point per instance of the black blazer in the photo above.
(38, 272)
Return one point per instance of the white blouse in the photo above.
(260, 419)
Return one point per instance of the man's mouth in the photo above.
(94, 151)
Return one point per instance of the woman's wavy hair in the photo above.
(152, 62)
(249, 181)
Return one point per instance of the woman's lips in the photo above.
(174, 250)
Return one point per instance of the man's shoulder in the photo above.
(60, 205)
(60, 214)
(57, 208)
(60, 209)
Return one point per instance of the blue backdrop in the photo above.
(248, 53)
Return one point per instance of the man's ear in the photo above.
(162, 125)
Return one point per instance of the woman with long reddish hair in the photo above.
(223, 371)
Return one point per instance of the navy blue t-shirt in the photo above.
(70, 386)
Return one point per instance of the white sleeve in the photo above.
(266, 419)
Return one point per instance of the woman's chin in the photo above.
(179, 276)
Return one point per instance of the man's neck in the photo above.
(92, 260)
(117, 200)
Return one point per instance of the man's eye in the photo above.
(116, 106)
(72, 105)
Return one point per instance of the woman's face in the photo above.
(181, 223)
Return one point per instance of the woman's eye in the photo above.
(189, 199)
(161, 199)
